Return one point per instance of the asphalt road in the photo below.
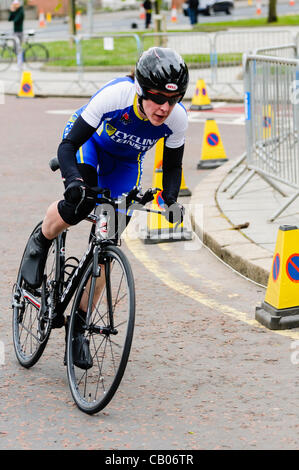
(202, 374)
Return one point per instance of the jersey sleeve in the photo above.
(178, 124)
(108, 100)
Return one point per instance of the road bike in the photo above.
(103, 280)
(34, 54)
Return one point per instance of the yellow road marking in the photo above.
(139, 251)
(191, 271)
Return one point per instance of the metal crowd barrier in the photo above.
(217, 57)
(289, 51)
(214, 57)
(272, 118)
(229, 47)
(196, 48)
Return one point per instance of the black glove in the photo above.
(148, 196)
(74, 191)
(174, 212)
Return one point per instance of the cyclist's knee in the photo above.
(67, 211)
(53, 224)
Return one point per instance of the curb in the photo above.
(218, 233)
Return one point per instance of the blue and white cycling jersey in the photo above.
(123, 136)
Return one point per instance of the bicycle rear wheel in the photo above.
(110, 332)
(36, 55)
(31, 326)
(6, 57)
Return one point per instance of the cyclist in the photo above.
(104, 144)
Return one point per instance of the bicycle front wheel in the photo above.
(109, 333)
(31, 327)
(6, 57)
(36, 55)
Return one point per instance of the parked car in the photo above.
(208, 7)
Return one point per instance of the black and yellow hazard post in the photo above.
(280, 309)
(158, 228)
(212, 152)
(184, 190)
(159, 155)
(201, 100)
(26, 86)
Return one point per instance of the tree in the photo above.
(72, 15)
(157, 12)
(272, 15)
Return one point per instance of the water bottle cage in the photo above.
(69, 269)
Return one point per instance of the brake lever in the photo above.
(148, 196)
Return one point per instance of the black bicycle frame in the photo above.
(73, 282)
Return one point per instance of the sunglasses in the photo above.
(158, 98)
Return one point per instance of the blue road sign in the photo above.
(292, 267)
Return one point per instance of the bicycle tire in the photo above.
(35, 54)
(93, 389)
(29, 339)
(6, 57)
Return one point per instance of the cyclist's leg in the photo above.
(61, 214)
(115, 174)
(120, 177)
(53, 224)
(35, 257)
(87, 165)
(31, 325)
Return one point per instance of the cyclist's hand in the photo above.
(174, 212)
(75, 191)
(148, 196)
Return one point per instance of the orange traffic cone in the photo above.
(42, 22)
(173, 15)
(142, 13)
(78, 20)
(258, 7)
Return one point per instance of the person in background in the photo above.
(147, 5)
(193, 10)
(17, 16)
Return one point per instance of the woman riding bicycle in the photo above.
(104, 144)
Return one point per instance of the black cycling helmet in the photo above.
(163, 69)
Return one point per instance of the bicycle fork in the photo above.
(96, 291)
